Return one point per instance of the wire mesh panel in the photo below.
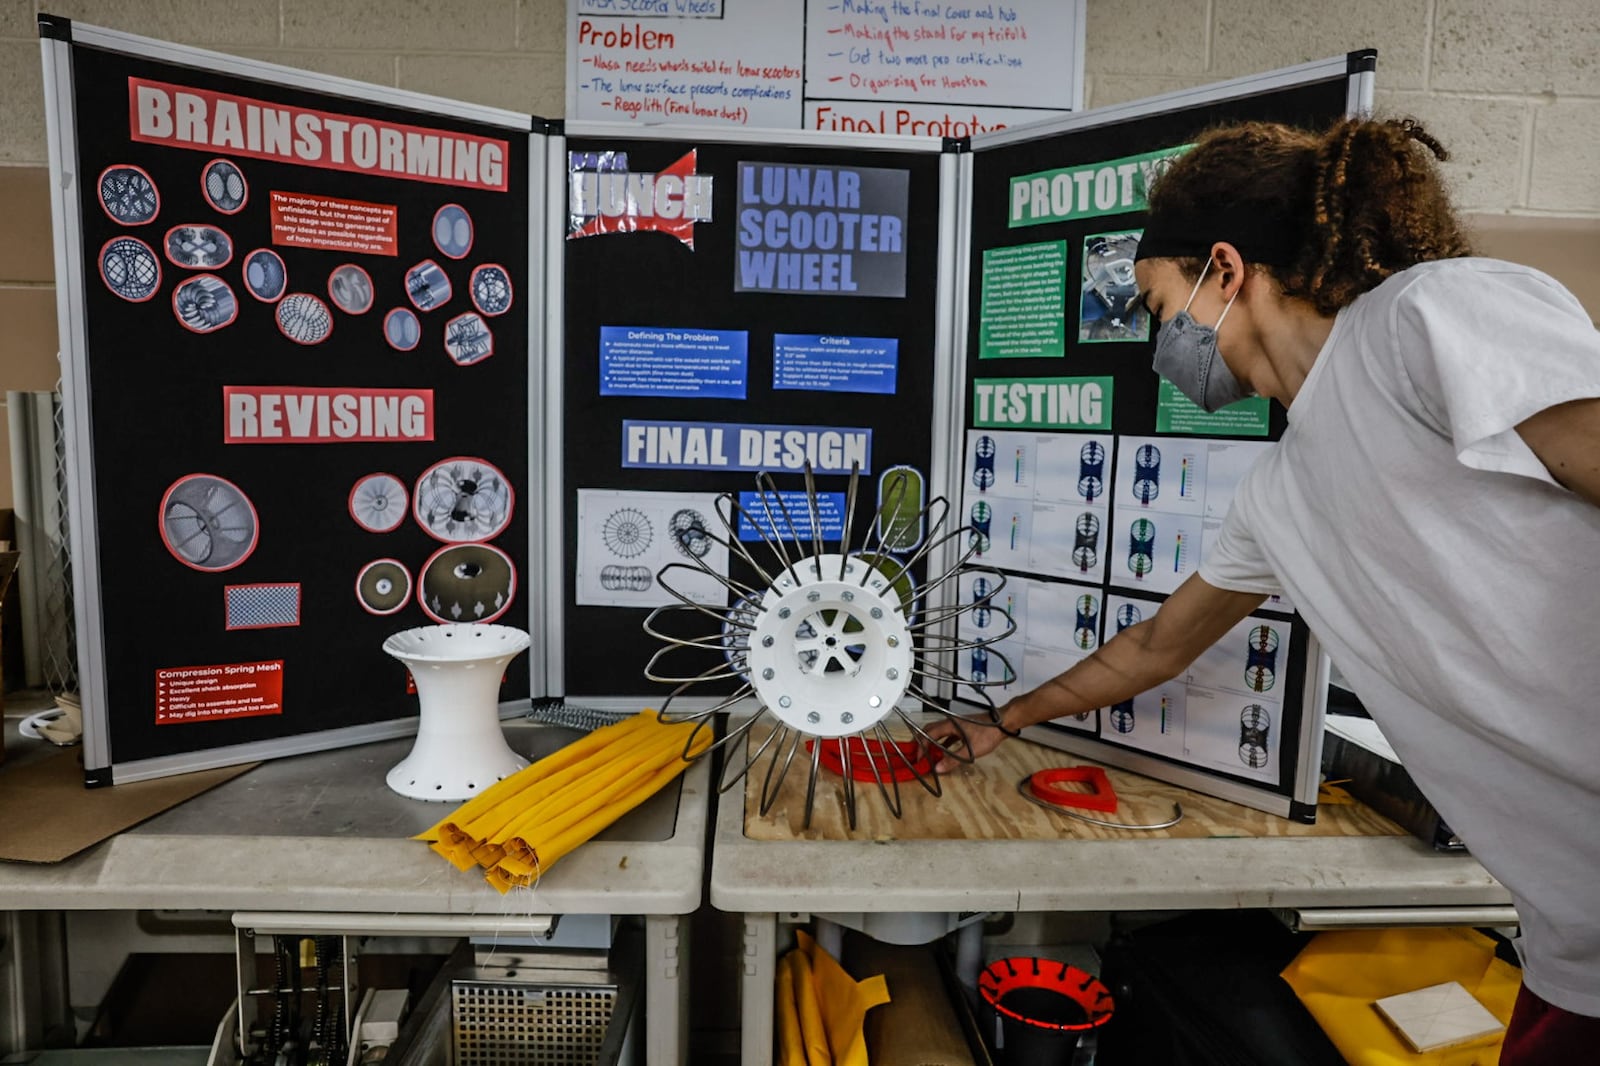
(528, 1024)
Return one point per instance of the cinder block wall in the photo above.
(1512, 86)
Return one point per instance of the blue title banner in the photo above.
(764, 512)
(823, 363)
(654, 445)
(655, 361)
(838, 231)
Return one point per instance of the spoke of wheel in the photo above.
(770, 787)
(849, 517)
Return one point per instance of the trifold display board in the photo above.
(1092, 483)
(789, 312)
(340, 360)
(295, 323)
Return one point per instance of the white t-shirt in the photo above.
(1453, 581)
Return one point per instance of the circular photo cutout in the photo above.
(378, 502)
(467, 583)
(452, 231)
(350, 287)
(198, 247)
(130, 269)
(208, 523)
(467, 339)
(222, 184)
(383, 586)
(463, 499)
(128, 195)
(428, 286)
(204, 303)
(303, 318)
(402, 329)
(490, 286)
(265, 276)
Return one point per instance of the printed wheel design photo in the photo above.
(204, 303)
(130, 269)
(128, 195)
(452, 231)
(383, 586)
(350, 288)
(303, 318)
(198, 247)
(463, 499)
(467, 583)
(490, 286)
(208, 523)
(265, 276)
(378, 503)
(402, 329)
(223, 185)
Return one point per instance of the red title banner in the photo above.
(284, 414)
(183, 117)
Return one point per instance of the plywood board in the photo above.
(980, 802)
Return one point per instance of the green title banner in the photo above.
(1042, 403)
(1108, 188)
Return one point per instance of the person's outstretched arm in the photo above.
(1136, 660)
(1566, 438)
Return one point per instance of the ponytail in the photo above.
(1344, 209)
(1378, 207)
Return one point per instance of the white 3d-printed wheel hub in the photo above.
(831, 653)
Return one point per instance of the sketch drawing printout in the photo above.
(626, 538)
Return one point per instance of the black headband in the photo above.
(1261, 237)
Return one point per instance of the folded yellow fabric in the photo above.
(791, 1043)
(521, 826)
(822, 1010)
(1339, 975)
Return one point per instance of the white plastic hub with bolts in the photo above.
(831, 653)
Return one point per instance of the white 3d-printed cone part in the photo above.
(460, 749)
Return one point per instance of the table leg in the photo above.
(666, 992)
(760, 970)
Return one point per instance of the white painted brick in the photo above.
(1501, 47)
(200, 22)
(1145, 36)
(1256, 35)
(22, 137)
(1566, 157)
(1484, 138)
(532, 83)
(542, 26)
(17, 20)
(374, 67)
(1107, 89)
(401, 25)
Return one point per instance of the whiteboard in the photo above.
(906, 67)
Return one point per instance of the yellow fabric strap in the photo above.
(791, 1045)
(1339, 975)
(844, 1002)
(813, 1035)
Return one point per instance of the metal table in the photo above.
(1324, 882)
(321, 834)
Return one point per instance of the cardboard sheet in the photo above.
(50, 816)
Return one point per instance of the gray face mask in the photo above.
(1186, 355)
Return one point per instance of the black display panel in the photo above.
(1099, 556)
(276, 375)
(640, 283)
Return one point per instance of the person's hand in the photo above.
(975, 737)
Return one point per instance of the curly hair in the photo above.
(1363, 200)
